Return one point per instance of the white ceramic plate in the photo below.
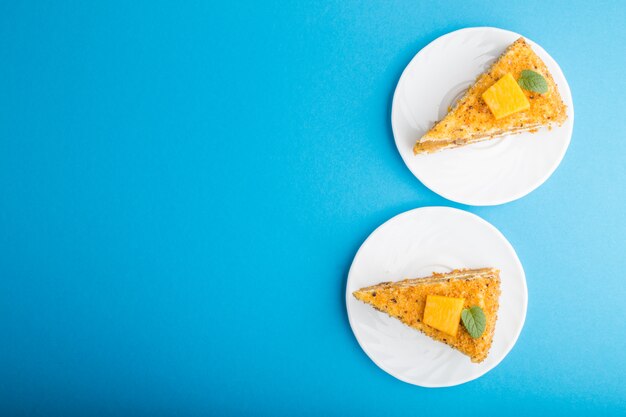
(415, 244)
(486, 173)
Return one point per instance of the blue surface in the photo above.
(184, 185)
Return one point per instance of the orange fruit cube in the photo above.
(443, 313)
(505, 97)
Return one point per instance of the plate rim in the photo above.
(514, 197)
(509, 247)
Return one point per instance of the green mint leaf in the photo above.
(533, 81)
(474, 321)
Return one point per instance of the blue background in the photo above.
(183, 186)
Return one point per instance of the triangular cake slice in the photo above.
(406, 300)
(470, 120)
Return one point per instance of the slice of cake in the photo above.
(433, 305)
(485, 113)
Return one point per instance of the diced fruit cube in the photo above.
(443, 313)
(505, 97)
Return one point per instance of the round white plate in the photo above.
(486, 173)
(415, 244)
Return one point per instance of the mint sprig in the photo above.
(533, 81)
(474, 321)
